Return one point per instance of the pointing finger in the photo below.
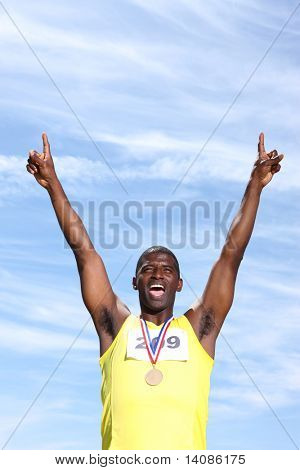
(46, 145)
(261, 144)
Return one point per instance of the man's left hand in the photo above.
(267, 164)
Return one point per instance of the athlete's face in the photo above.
(157, 281)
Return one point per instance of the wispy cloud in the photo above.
(158, 157)
(29, 339)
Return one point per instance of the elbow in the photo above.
(83, 256)
(233, 255)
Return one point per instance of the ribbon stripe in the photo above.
(154, 350)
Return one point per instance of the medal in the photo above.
(154, 376)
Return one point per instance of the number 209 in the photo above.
(172, 342)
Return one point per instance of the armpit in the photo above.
(207, 323)
(106, 322)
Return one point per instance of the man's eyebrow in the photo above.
(146, 264)
(151, 264)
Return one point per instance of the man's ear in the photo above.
(134, 283)
(180, 284)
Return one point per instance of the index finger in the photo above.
(261, 144)
(46, 145)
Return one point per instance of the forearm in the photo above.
(69, 221)
(242, 226)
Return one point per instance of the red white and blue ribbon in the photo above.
(154, 349)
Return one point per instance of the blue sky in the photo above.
(149, 82)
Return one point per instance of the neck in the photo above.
(156, 317)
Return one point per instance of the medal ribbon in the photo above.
(154, 350)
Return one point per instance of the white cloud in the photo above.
(79, 174)
(29, 339)
(158, 157)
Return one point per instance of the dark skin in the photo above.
(208, 312)
(157, 268)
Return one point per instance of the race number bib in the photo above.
(174, 347)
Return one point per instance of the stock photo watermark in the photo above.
(133, 224)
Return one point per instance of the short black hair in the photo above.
(157, 249)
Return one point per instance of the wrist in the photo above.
(53, 184)
(255, 183)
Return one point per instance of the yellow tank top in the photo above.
(171, 415)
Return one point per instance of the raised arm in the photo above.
(106, 309)
(208, 313)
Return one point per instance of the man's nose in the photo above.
(157, 273)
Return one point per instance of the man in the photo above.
(156, 368)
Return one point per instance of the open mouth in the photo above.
(157, 290)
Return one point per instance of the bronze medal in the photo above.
(154, 377)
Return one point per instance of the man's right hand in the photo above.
(41, 165)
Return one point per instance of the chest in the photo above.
(173, 347)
